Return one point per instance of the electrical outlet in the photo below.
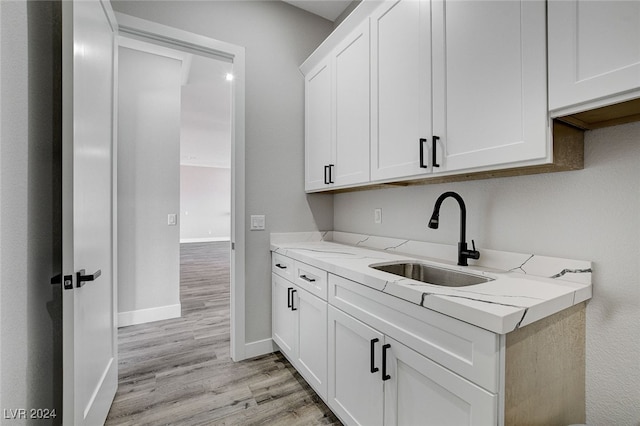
(377, 215)
(172, 219)
(257, 222)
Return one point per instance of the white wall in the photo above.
(148, 186)
(593, 214)
(30, 221)
(278, 38)
(205, 204)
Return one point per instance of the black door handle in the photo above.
(326, 174)
(293, 308)
(433, 151)
(422, 164)
(373, 361)
(289, 302)
(81, 278)
(385, 376)
(331, 166)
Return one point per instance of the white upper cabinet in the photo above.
(489, 82)
(594, 53)
(337, 115)
(446, 86)
(318, 126)
(400, 89)
(351, 111)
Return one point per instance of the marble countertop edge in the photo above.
(511, 301)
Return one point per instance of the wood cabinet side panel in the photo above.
(545, 371)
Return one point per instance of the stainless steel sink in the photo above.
(431, 274)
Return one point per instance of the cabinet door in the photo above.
(355, 393)
(284, 323)
(312, 340)
(594, 50)
(400, 89)
(420, 391)
(489, 82)
(351, 114)
(318, 126)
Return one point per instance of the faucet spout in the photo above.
(463, 252)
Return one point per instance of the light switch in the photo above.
(377, 215)
(257, 222)
(172, 219)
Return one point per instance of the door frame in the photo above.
(148, 31)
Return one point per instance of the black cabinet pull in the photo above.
(385, 376)
(293, 308)
(433, 151)
(307, 279)
(289, 301)
(373, 358)
(331, 166)
(82, 278)
(326, 179)
(281, 266)
(422, 164)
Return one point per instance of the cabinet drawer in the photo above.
(469, 351)
(283, 266)
(312, 279)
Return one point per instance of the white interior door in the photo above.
(90, 374)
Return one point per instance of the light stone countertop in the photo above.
(513, 299)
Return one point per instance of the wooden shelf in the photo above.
(612, 115)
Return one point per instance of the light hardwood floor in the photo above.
(178, 372)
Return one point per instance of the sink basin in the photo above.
(431, 274)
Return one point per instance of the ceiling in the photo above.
(328, 9)
(205, 130)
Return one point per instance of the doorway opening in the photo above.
(193, 51)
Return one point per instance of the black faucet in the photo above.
(463, 252)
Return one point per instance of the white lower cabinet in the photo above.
(283, 318)
(299, 328)
(376, 359)
(356, 392)
(376, 380)
(311, 358)
(420, 392)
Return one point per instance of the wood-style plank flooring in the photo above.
(178, 372)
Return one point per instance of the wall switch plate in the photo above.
(257, 222)
(172, 219)
(377, 215)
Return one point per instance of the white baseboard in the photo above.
(259, 347)
(203, 240)
(142, 316)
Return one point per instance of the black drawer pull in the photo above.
(422, 163)
(82, 278)
(307, 279)
(289, 301)
(280, 266)
(373, 360)
(293, 308)
(433, 151)
(331, 166)
(385, 376)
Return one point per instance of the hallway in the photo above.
(179, 371)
